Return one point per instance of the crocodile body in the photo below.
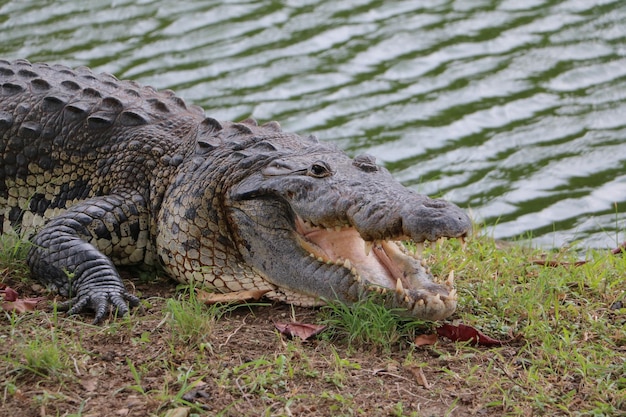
(100, 172)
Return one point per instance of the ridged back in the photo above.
(66, 135)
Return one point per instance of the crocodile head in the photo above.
(315, 224)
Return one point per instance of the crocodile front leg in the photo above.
(73, 252)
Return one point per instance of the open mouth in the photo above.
(384, 266)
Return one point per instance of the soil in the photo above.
(240, 373)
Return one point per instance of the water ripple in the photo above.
(515, 109)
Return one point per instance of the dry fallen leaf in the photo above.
(21, 306)
(464, 333)
(419, 376)
(230, 297)
(425, 339)
(89, 384)
(196, 393)
(12, 302)
(178, 412)
(303, 330)
(197, 390)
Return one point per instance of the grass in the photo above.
(566, 355)
(191, 321)
(368, 323)
(13, 251)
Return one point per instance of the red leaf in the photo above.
(620, 249)
(302, 330)
(9, 294)
(464, 333)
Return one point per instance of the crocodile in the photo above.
(100, 173)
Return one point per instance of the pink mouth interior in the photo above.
(346, 244)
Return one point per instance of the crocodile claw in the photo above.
(100, 302)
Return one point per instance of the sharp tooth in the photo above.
(353, 271)
(319, 259)
(368, 247)
(419, 248)
(399, 287)
(376, 288)
(347, 264)
(441, 299)
(420, 302)
(337, 228)
(450, 280)
(463, 242)
(330, 229)
(440, 241)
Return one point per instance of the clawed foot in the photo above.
(100, 302)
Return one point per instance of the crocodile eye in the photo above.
(319, 169)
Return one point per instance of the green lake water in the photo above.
(513, 109)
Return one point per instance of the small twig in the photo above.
(554, 264)
(244, 394)
(383, 372)
(76, 366)
(162, 322)
(232, 334)
(424, 400)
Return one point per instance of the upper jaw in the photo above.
(413, 217)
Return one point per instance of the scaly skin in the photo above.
(102, 172)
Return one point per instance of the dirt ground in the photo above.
(248, 370)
